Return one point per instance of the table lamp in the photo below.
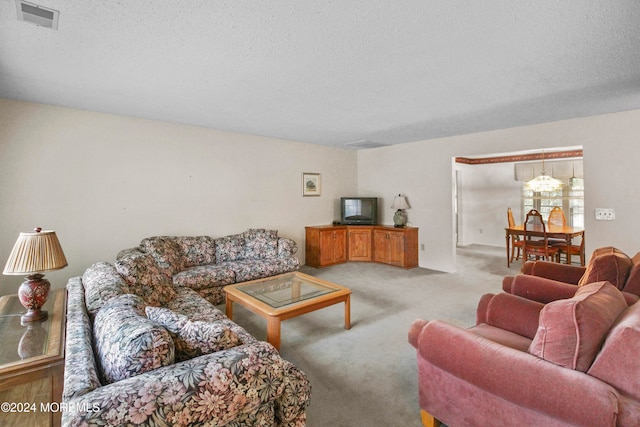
(400, 217)
(34, 253)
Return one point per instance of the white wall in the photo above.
(104, 182)
(485, 192)
(423, 170)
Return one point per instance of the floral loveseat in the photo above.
(206, 264)
(154, 354)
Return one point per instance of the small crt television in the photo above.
(359, 210)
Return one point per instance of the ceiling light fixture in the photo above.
(543, 182)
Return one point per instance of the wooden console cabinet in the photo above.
(325, 246)
(396, 246)
(333, 244)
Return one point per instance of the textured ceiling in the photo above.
(330, 72)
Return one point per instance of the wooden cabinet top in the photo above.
(342, 226)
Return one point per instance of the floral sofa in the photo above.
(206, 264)
(146, 345)
(154, 354)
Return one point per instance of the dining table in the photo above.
(565, 232)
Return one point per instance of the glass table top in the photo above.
(285, 290)
(23, 341)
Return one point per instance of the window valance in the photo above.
(560, 169)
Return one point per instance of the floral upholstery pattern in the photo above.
(204, 276)
(257, 269)
(144, 277)
(194, 338)
(204, 264)
(260, 243)
(79, 347)
(101, 283)
(198, 250)
(126, 342)
(230, 248)
(286, 247)
(247, 385)
(166, 253)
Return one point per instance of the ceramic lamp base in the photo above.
(400, 218)
(33, 293)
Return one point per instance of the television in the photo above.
(359, 210)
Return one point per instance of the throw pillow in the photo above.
(571, 331)
(194, 338)
(198, 250)
(230, 248)
(260, 243)
(144, 277)
(126, 342)
(166, 252)
(102, 282)
(607, 264)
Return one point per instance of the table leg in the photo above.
(273, 331)
(229, 308)
(347, 312)
(568, 239)
(508, 252)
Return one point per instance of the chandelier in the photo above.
(543, 182)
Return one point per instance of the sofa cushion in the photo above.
(571, 331)
(260, 243)
(204, 276)
(102, 282)
(197, 250)
(607, 264)
(194, 338)
(166, 252)
(619, 355)
(126, 342)
(144, 278)
(230, 248)
(633, 281)
(251, 269)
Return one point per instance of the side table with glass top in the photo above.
(32, 363)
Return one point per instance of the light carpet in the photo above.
(367, 376)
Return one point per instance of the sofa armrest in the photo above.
(286, 247)
(510, 312)
(541, 289)
(518, 377)
(236, 384)
(560, 272)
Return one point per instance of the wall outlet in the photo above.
(422, 247)
(605, 214)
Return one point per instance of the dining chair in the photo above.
(536, 241)
(556, 217)
(516, 242)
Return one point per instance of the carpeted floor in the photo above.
(366, 376)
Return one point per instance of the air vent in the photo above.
(36, 14)
(365, 144)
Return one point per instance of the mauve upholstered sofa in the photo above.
(548, 281)
(571, 362)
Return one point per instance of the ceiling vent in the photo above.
(39, 15)
(365, 144)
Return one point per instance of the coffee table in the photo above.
(285, 296)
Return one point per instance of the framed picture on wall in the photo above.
(310, 184)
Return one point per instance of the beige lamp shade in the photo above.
(35, 252)
(400, 202)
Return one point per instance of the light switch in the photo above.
(605, 214)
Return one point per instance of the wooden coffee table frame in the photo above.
(275, 316)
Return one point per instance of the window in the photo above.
(570, 198)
